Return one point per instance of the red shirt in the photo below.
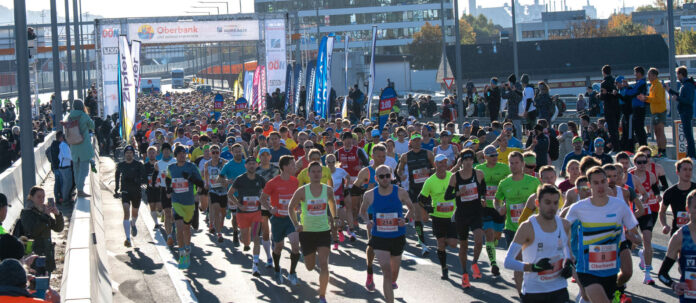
(298, 152)
(281, 192)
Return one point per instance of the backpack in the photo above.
(71, 128)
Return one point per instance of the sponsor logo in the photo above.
(611, 215)
(110, 32)
(146, 32)
(109, 50)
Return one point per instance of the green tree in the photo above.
(426, 47)
(484, 29)
(466, 32)
(685, 42)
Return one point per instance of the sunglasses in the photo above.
(215, 152)
(330, 162)
(508, 129)
(309, 146)
(384, 176)
(641, 162)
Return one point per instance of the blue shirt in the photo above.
(515, 143)
(226, 155)
(233, 169)
(276, 154)
(182, 188)
(572, 156)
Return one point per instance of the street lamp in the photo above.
(215, 7)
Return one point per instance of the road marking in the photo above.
(418, 260)
(179, 280)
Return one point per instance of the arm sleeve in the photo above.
(663, 182)
(118, 176)
(450, 193)
(510, 259)
(655, 189)
(363, 157)
(663, 274)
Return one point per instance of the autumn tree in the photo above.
(685, 42)
(483, 28)
(466, 32)
(426, 47)
(622, 25)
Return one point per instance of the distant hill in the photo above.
(37, 17)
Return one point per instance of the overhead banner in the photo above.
(126, 88)
(240, 105)
(218, 104)
(248, 85)
(135, 53)
(371, 81)
(191, 32)
(109, 58)
(276, 61)
(386, 102)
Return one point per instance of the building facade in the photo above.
(555, 25)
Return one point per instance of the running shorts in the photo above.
(311, 240)
(131, 196)
(608, 283)
(647, 222)
(558, 296)
(493, 220)
(444, 228)
(218, 199)
(395, 246)
(166, 202)
(245, 220)
(281, 227)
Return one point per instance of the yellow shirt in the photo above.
(318, 130)
(503, 155)
(196, 153)
(656, 98)
(303, 177)
(290, 144)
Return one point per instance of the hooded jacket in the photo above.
(685, 96)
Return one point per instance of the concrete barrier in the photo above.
(85, 273)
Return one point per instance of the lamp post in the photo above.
(672, 72)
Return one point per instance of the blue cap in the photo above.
(598, 141)
(620, 79)
(376, 133)
(428, 127)
(329, 129)
(264, 150)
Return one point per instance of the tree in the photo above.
(622, 25)
(467, 34)
(426, 47)
(685, 42)
(483, 28)
(588, 29)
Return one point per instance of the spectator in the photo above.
(13, 284)
(81, 153)
(577, 153)
(5, 153)
(565, 144)
(492, 94)
(609, 95)
(530, 110)
(638, 107)
(64, 169)
(685, 105)
(658, 109)
(38, 219)
(513, 93)
(3, 211)
(544, 104)
(581, 104)
(593, 101)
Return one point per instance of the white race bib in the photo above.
(387, 222)
(602, 257)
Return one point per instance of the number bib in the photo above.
(602, 257)
(555, 272)
(387, 222)
(283, 207)
(250, 203)
(180, 185)
(682, 218)
(445, 207)
(470, 192)
(516, 212)
(420, 175)
(690, 279)
(652, 200)
(490, 192)
(316, 207)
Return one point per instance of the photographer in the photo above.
(38, 219)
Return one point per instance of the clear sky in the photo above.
(144, 8)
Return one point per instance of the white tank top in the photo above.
(546, 245)
(619, 194)
(449, 153)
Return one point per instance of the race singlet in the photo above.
(316, 207)
(250, 203)
(387, 222)
(180, 185)
(602, 257)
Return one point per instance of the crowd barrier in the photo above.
(11, 181)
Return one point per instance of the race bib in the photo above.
(445, 207)
(690, 279)
(420, 175)
(652, 200)
(516, 212)
(602, 257)
(490, 192)
(316, 207)
(161, 178)
(682, 218)
(180, 185)
(283, 207)
(215, 181)
(387, 222)
(470, 192)
(250, 203)
(555, 272)
(338, 198)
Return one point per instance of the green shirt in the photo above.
(493, 176)
(435, 188)
(515, 195)
(2, 230)
(314, 211)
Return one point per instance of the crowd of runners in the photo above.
(315, 183)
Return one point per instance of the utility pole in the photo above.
(515, 59)
(672, 72)
(78, 53)
(58, 99)
(24, 97)
(444, 37)
(71, 96)
(458, 64)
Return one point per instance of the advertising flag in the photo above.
(109, 66)
(262, 89)
(371, 83)
(346, 49)
(311, 67)
(327, 74)
(241, 104)
(344, 108)
(299, 76)
(248, 85)
(239, 86)
(135, 53)
(386, 102)
(218, 104)
(289, 94)
(275, 54)
(322, 85)
(255, 90)
(126, 89)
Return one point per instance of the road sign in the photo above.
(448, 82)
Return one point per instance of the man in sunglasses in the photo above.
(648, 181)
(509, 131)
(383, 208)
(599, 152)
(216, 191)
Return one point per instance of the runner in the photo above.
(180, 179)
(493, 222)
(655, 168)
(130, 174)
(596, 235)
(314, 229)
(386, 221)
(510, 198)
(267, 171)
(233, 169)
(572, 174)
(441, 210)
(468, 187)
(420, 165)
(152, 189)
(647, 221)
(446, 148)
(682, 245)
(352, 159)
(216, 192)
(543, 241)
(675, 198)
(547, 175)
(248, 187)
(162, 167)
(340, 179)
(280, 190)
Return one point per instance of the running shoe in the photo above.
(352, 236)
(335, 246)
(182, 262)
(341, 237)
(495, 270)
(465, 281)
(322, 300)
(293, 279)
(170, 241)
(269, 263)
(134, 230)
(395, 286)
(127, 243)
(220, 239)
(255, 271)
(157, 226)
(648, 281)
(424, 251)
(187, 261)
(476, 273)
(279, 277)
(625, 299)
(445, 274)
(246, 248)
(229, 214)
(370, 283)
(211, 229)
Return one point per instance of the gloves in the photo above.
(117, 195)
(542, 265)
(567, 270)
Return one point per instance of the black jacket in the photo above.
(611, 101)
(38, 226)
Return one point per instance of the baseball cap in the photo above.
(620, 79)
(376, 133)
(251, 159)
(490, 151)
(129, 148)
(598, 141)
(416, 136)
(264, 150)
(445, 133)
(577, 139)
(466, 124)
(440, 157)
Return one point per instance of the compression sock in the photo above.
(369, 270)
(132, 222)
(442, 256)
(153, 214)
(490, 249)
(294, 258)
(256, 259)
(126, 228)
(276, 262)
(267, 248)
(419, 231)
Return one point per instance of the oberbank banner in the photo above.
(202, 31)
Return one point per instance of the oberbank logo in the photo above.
(146, 32)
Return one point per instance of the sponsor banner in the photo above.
(248, 86)
(299, 76)
(126, 89)
(240, 105)
(322, 77)
(135, 53)
(239, 86)
(681, 141)
(109, 62)
(255, 90)
(371, 83)
(311, 71)
(386, 103)
(327, 73)
(218, 104)
(288, 99)
(262, 89)
(276, 62)
(191, 32)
